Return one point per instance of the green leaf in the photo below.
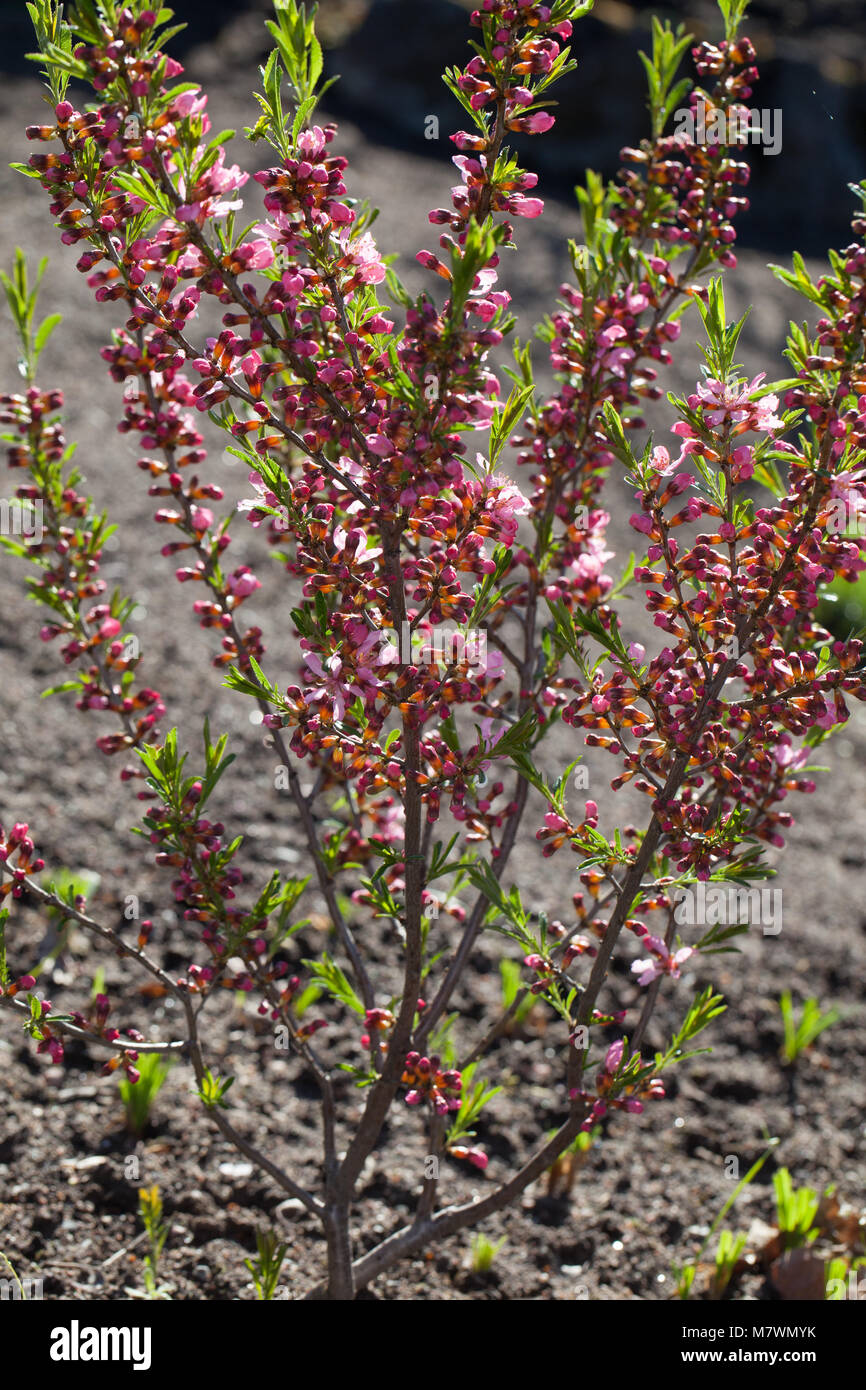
(60, 689)
(213, 1090)
(474, 1096)
(46, 328)
(505, 417)
(705, 1007)
(333, 979)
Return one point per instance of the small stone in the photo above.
(286, 854)
(291, 1206)
(798, 1276)
(236, 1170)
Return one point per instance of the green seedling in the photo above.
(801, 1033)
(841, 1280)
(266, 1268)
(728, 1252)
(138, 1098)
(685, 1274)
(564, 1169)
(484, 1252)
(150, 1211)
(796, 1209)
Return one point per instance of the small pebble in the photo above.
(236, 1170)
(291, 1205)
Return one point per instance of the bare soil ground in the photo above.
(68, 1194)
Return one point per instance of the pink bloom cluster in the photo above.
(147, 272)
(757, 577)
(606, 341)
(69, 551)
(614, 1093)
(687, 190)
(429, 1083)
(17, 864)
(17, 845)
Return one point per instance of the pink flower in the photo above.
(664, 963)
(242, 583)
(355, 547)
(731, 401)
(830, 717)
(660, 460)
(256, 255)
(788, 757)
(363, 254)
(380, 445)
(743, 460)
(765, 414)
(190, 103)
(536, 123)
(202, 520)
(504, 506)
(524, 207)
(477, 1157)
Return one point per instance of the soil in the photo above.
(646, 1194)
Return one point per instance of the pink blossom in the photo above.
(664, 963)
(242, 583)
(525, 207)
(363, 254)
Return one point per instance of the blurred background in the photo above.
(390, 53)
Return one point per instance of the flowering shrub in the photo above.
(376, 443)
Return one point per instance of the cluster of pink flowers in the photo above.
(16, 855)
(356, 463)
(429, 1083)
(354, 479)
(146, 272)
(742, 577)
(69, 581)
(613, 1093)
(205, 888)
(376, 1021)
(525, 41)
(17, 864)
(682, 190)
(607, 342)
